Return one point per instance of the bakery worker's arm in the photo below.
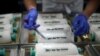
(29, 4)
(80, 24)
(31, 16)
(91, 7)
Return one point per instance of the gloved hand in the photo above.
(80, 25)
(30, 19)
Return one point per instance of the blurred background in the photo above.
(19, 7)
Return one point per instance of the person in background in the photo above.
(80, 24)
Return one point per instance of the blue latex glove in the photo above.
(30, 19)
(80, 25)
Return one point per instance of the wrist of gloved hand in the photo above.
(83, 15)
(32, 8)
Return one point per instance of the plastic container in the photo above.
(7, 36)
(50, 49)
(50, 16)
(55, 37)
(7, 27)
(53, 28)
(52, 22)
(8, 50)
(6, 18)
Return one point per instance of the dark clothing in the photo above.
(10, 6)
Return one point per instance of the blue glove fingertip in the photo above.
(35, 26)
(26, 26)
